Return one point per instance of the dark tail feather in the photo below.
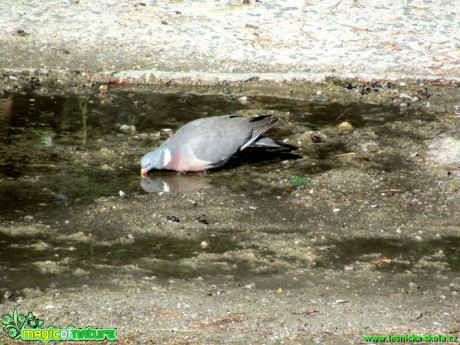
(260, 124)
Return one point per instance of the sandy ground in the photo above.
(368, 246)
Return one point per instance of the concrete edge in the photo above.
(155, 77)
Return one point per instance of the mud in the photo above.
(359, 236)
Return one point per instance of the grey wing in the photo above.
(215, 139)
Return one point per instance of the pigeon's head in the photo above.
(153, 160)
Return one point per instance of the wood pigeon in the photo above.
(210, 142)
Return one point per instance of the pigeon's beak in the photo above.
(144, 172)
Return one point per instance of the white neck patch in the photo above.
(166, 156)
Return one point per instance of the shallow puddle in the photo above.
(63, 149)
(62, 154)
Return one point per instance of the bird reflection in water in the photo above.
(175, 183)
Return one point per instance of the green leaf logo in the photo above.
(13, 325)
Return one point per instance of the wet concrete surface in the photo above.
(358, 235)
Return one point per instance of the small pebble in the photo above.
(345, 128)
(417, 315)
(165, 133)
(341, 301)
(106, 167)
(202, 219)
(204, 244)
(253, 208)
(127, 129)
(21, 32)
(405, 96)
(318, 138)
(243, 100)
(173, 218)
(454, 286)
(8, 294)
(413, 286)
